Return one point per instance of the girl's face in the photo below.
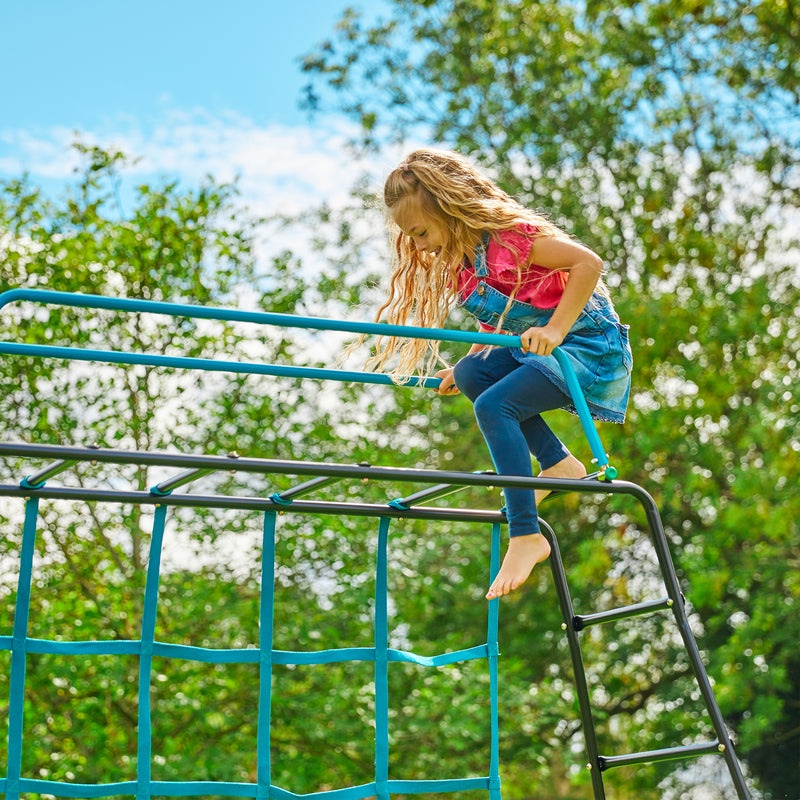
(427, 233)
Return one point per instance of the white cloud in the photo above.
(280, 168)
(43, 156)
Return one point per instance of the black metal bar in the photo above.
(665, 754)
(287, 496)
(39, 478)
(277, 466)
(579, 673)
(600, 476)
(434, 493)
(581, 621)
(255, 504)
(170, 484)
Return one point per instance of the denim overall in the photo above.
(597, 344)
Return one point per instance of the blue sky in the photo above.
(82, 63)
(188, 86)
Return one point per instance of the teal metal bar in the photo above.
(16, 690)
(144, 750)
(205, 364)
(286, 321)
(265, 645)
(257, 317)
(494, 652)
(382, 664)
(600, 456)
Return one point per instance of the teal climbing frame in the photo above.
(382, 785)
(34, 487)
(44, 297)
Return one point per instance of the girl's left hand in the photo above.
(446, 383)
(541, 341)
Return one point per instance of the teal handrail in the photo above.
(76, 300)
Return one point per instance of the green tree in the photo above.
(185, 246)
(665, 135)
(196, 247)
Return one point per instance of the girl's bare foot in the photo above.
(568, 467)
(523, 553)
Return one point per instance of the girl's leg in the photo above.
(508, 414)
(509, 398)
(475, 374)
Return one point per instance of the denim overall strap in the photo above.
(489, 305)
(597, 344)
(479, 259)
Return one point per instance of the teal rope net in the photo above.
(146, 648)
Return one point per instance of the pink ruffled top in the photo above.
(541, 287)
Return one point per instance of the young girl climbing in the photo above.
(461, 240)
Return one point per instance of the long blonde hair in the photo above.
(422, 286)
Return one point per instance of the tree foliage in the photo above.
(665, 135)
(195, 247)
(661, 133)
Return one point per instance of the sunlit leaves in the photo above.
(665, 135)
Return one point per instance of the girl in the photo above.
(462, 240)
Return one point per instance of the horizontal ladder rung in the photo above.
(667, 754)
(168, 485)
(37, 480)
(285, 497)
(188, 476)
(433, 493)
(581, 621)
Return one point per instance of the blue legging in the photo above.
(508, 398)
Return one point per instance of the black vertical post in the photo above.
(584, 701)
